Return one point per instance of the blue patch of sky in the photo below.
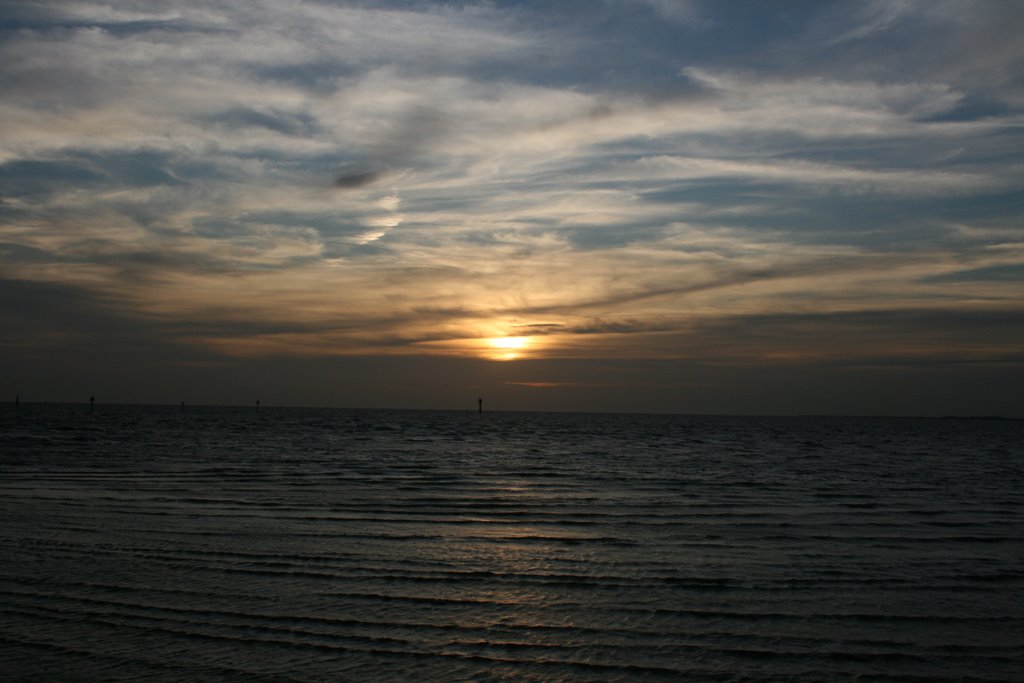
(320, 76)
(127, 28)
(882, 222)
(597, 237)
(617, 46)
(34, 179)
(16, 15)
(971, 107)
(296, 124)
(24, 254)
(294, 161)
(865, 220)
(29, 18)
(135, 168)
(711, 192)
(1006, 273)
(327, 225)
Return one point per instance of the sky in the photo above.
(604, 205)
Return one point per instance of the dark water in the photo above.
(222, 544)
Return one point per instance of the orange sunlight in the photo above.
(508, 348)
(497, 348)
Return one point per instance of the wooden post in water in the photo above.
(92, 403)
(479, 406)
(257, 405)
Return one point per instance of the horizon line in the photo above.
(258, 404)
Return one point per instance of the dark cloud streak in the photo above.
(357, 179)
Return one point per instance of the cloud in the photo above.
(682, 11)
(294, 124)
(356, 179)
(300, 178)
(875, 17)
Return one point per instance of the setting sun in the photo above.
(491, 348)
(511, 346)
(509, 342)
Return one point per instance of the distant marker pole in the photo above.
(479, 406)
(92, 403)
(17, 400)
(257, 405)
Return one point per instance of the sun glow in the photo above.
(509, 342)
(491, 348)
(508, 348)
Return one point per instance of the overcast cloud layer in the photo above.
(661, 196)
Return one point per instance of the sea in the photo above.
(283, 544)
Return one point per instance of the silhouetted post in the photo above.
(479, 406)
(183, 405)
(17, 400)
(92, 403)
(257, 405)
